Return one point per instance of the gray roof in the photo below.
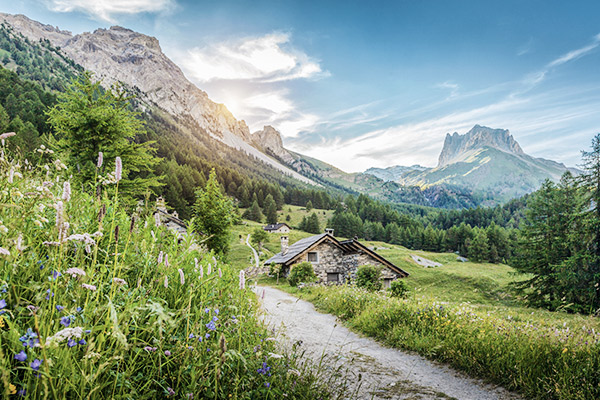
(274, 227)
(295, 249)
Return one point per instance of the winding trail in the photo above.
(386, 373)
(256, 259)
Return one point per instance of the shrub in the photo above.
(368, 277)
(302, 272)
(398, 288)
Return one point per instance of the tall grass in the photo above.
(100, 302)
(533, 354)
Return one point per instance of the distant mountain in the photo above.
(487, 161)
(394, 173)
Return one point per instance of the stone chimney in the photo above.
(329, 231)
(284, 244)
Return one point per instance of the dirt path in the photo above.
(386, 373)
(256, 259)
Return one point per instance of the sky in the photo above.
(362, 84)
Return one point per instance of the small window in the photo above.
(333, 277)
(313, 256)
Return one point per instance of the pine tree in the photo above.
(213, 214)
(479, 247)
(253, 213)
(270, 210)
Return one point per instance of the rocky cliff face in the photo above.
(122, 55)
(269, 140)
(478, 137)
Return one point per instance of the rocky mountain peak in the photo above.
(269, 140)
(478, 137)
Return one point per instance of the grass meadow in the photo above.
(467, 315)
(98, 301)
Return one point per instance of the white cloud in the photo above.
(268, 58)
(106, 9)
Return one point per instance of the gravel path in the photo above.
(386, 373)
(256, 259)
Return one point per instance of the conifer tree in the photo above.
(270, 210)
(253, 213)
(213, 214)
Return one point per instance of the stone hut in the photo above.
(277, 228)
(333, 260)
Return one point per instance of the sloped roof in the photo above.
(274, 227)
(347, 246)
(295, 249)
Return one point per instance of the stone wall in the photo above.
(331, 259)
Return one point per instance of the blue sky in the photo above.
(361, 84)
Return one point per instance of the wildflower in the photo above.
(66, 196)
(190, 395)
(71, 343)
(276, 356)
(150, 349)
(89, 287)
(22, 392)
(181, 276)
(156, 221)
(217, 311)
(55, 275)
(264, 370)
(208, 270)
(59, 213)
(100, 159)
(4, 252)
(82, 342)
(167, 260)
(19, 243)
(12, 389)
(166, 281)
(201, 272)
(267, 384)
(21, 356)
(29, 339)
(167, 353)
(211, 326)
(118, 169)
(74, 272)
(11, 174)
(66, 321)
(60, 308)
(7, 135)
(207, 310)
(2, 304)
(50, 294)
(32, 308)
(170, 391)
(36, 364)
(242, 280)
(119, 281)
(191, 336)
(160, 257)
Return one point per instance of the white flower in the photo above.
(220, 273)
(100, 159)
(276, 356)
(242, 280)
(4, 252)
(166, 281)
(118, 169)
(74, 272)
(88, 287)
(7, 135)
(66, 196)
(66, 333)
(119, 281)
(181, 276)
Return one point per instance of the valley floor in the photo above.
(373, 371)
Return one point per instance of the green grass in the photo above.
(175, 322)
(467, 315)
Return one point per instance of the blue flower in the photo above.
(2, 303)
(66, 321)
(59, 308)
(79, 309)
(207, 335)
(50, 294)
(211, 326)
(35, 364)
(21, 356)
(29, 339)
(71, 343)
(264, 370)
(207, 310)
(22, 392)
(82, 342)
(55, 275)
(267, 384)
(216, 311)
(191, 336)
